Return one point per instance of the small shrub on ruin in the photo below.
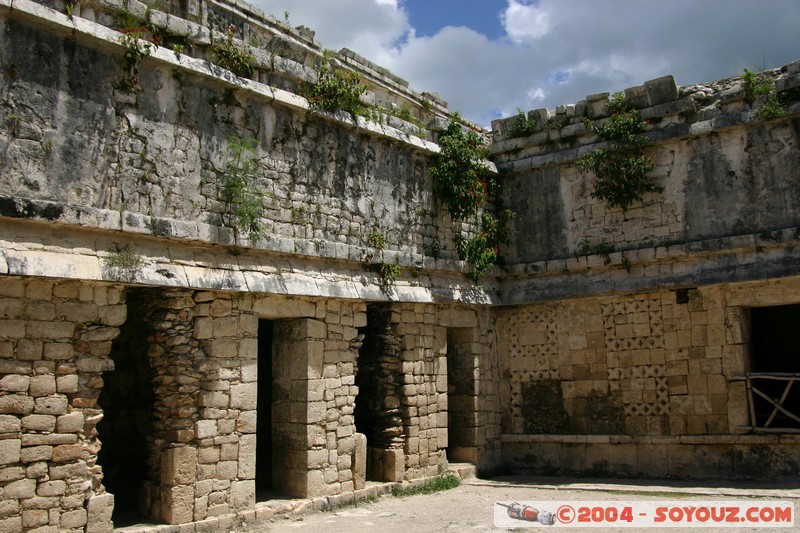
(228, 55)
(336, 89)
(244, 201)
(622, 168)
(521, 126)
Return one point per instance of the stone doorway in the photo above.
(264, 416)
(127, 399)
(461, 395)
(290, 357)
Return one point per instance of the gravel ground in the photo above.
(470, 506)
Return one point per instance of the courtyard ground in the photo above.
(469, 507)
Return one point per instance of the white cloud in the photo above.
(525, 22)
(558, 51)
(370, 27)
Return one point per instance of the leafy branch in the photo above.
(462, 182)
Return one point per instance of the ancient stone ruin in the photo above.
(216, 291)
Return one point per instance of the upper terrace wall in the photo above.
(730, 205)
(80, 150)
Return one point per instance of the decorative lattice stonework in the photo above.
(532, 349)
(634, 335)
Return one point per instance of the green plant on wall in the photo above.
(230, 56)
(622, 168)
(481, 248)
(463, 183)
(756, 86)
(389, 273)
(460, 178)
(521, 126)
(122, 264)
(336, 89)
(244, 201)
(138, 45)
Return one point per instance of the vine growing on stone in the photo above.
(244, 201)
(622, 168)
(463, 183)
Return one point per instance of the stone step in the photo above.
(464, 470)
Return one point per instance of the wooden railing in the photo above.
(773, 401)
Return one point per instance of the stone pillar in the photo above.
(298, 408)
(379, 401)
(174, 356)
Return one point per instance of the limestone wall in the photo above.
(625, 381)
(55, 338)
(729, 180)
(152, 162)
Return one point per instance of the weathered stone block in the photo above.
(227, 469)
(58, 351)
(213, 399)
(661, 90)
(14, 383)
(393, 465)
(65, 453)
(77, 469)
(45, 423)
(31, 454)
(244, 396)
(51, 405)
(24, 488)
(12, 524)
(99, 509)
(243, 494)
(67, 384)
(359, 462)
(95, 364)
(179, 466)
(49, 330)
(9, 424)
(17, 404)
(247, 456)
(42, 385)
(177, 504)
(10, 451)
(73, 519)
(29, 349)
(113, 315)
(204, 328)
(32, 518)
(70, 422)
(283, 308)
(52, 488)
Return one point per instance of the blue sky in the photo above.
(489, 58)
(427, 17)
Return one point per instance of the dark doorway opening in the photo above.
(774, 366)
(264, 482)
(127, 401)
(461, 396)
